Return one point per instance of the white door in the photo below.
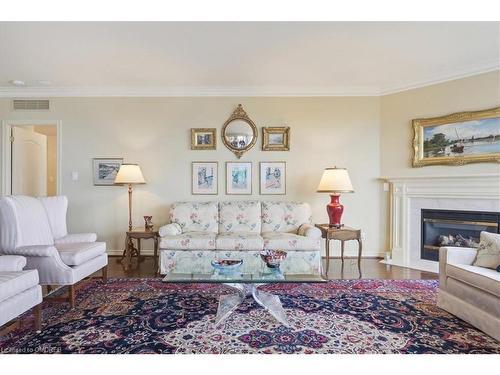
(29, 163)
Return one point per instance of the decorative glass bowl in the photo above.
(273, 258)
(227, 266)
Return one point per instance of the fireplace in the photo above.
(454, 228)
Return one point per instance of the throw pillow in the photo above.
(488, 252)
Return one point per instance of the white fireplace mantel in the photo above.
(409, 195)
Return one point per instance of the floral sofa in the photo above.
(202, 231)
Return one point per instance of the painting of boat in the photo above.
(458, 138)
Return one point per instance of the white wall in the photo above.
(155, 132)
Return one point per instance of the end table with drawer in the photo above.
(341, 234)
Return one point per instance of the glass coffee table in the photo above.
(244, 284)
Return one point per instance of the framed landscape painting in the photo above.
(105, 170)
(273, 177)
(204, 177)
(238, 178)
(456, 139)
(203, 139)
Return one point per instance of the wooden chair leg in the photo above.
(37, 312)
(105, 274)
(71, 296)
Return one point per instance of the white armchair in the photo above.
(36, 229)
(19, 290)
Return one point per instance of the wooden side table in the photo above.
(341, 234)
(130, 251)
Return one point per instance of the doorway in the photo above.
(33, 153)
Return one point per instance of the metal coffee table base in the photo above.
(229, 303)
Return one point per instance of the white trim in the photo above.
(446, 77)
(61, 92)
(6, 154)
(480, 192)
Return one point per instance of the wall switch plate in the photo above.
(386, 186)
(74, 176)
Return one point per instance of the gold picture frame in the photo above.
(276, 138)
(457, 139)
(203, 138)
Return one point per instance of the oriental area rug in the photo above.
(341, 316)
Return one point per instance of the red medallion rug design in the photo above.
(342, 316)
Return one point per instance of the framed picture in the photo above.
(276, 138)
(459, 138)
(273, 177)
(105, 170)
(204, 177)
(203, 139)
(238, 177)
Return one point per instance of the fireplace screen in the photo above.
(454, 228)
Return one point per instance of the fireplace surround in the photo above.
(410, 195)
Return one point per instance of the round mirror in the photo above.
(239, 133)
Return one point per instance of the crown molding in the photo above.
(62, 92)
(487, 67)
(54, 92)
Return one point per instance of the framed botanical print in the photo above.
(238, 178)
(459, 138)
(276, 138)
(273, 177)
(105, 170)
(203, 139)
(204, 177)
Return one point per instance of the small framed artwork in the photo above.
(105, 170)
(238, 177)
(272, 177)
(276, 138)
(203, 139)
(457, 139)
(204, 177)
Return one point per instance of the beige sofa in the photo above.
(469, 292)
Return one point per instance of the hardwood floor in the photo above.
(370, 269)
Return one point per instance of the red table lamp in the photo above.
(335, 181)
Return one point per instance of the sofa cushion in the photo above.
(12, 283)
(488, 252)
(289, 241)
(195, 216)
(189, 241)
(75, 254)
(284, 216)
(239, 241)
(479, 277)
(239, 216)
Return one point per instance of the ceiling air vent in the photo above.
(31, 104)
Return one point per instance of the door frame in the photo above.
(5, 177)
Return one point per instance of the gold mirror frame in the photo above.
(418, 139)
(239, 114)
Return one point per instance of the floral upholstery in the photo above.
(239, 216)
(195, 216)
(189, 241)
(284, 216)
(239, 241)
(290, 241)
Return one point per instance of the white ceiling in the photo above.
(230, 58)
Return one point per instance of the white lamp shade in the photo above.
(335, 180)
(129, 174)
